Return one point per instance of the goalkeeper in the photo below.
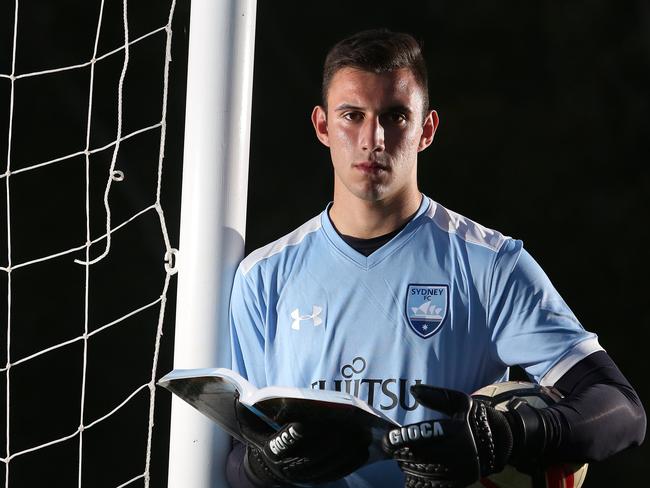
(387, 291)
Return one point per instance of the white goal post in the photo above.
(213, 218)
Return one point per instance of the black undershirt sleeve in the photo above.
(235, 473)
(600, 415)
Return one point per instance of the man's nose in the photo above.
(372, 135)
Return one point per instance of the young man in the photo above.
(388, 290)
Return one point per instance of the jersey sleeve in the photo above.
(247, 328)
(531, 324)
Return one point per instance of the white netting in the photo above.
(79, 248)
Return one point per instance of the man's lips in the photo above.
(369, 166)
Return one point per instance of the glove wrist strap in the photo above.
(529, 430)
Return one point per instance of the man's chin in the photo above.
(371, 194)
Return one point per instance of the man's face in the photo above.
(374, 128)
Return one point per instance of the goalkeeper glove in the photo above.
(475, 441)
(306, 452)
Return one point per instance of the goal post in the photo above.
(213, 219)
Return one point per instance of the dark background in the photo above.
(544, 136)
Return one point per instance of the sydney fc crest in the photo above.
(426, 308)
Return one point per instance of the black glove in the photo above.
(475, 441)
(307, 452)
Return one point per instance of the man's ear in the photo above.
(428, 130)
(319, 120)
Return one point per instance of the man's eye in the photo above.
(396, 117)
(353, 116)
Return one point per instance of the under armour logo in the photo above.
(315, 317)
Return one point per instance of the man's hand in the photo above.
(475, 441)
(306, 452)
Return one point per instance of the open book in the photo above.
(213, 392)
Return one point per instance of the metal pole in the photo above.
(213, 219)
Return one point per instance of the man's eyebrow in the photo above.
(400, 108)
(394, 108)
(347, 106)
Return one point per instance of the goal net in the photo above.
(87, 260)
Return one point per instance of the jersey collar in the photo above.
(384, 251)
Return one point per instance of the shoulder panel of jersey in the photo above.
(466, 229)
(291, 239)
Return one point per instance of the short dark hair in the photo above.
(378, 51)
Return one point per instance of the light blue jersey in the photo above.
(446, 302)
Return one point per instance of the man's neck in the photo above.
(365, 219)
